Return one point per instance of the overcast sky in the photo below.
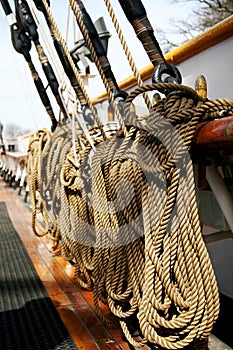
(19, 99)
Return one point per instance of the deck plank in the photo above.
(74, 305)
(103, 337)
(81, 336)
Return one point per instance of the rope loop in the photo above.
(128, 216)
(34, 180)
(137, 213)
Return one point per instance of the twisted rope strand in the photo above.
(129, 221)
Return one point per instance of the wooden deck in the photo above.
(74, 305)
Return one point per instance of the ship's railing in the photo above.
(217, 35)
(209, 54)
(13, 163)
(13, 171)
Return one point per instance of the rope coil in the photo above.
(34, 180)
(124, 206)
(129, 221)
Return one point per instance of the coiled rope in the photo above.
(129, 222)
(127, 215)
(34, 181)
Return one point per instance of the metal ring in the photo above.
(172, 74)
(117, 93)
(88, 116)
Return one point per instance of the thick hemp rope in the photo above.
(129, 222)
(39, 211)
(127, 214)
(48, 169)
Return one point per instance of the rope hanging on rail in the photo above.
(129, 222)
(127, 213)
(34, 180)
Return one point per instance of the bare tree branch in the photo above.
(205, 14)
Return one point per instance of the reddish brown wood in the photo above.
(74, 305)
(102, 336)
(80, 334)
(215, 134)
